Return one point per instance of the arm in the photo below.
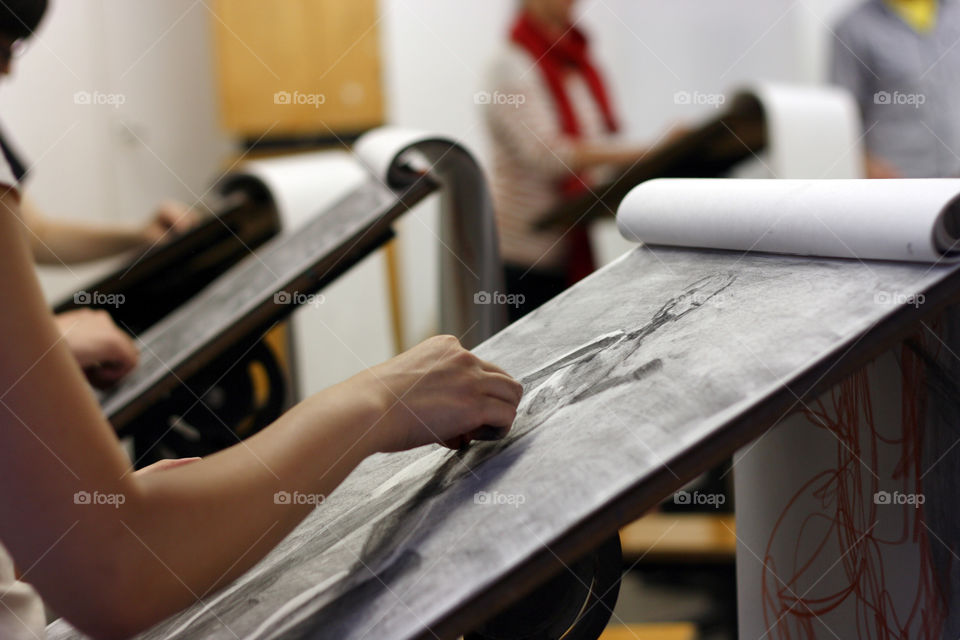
(524, 124)
(56, 241)
(115, 569)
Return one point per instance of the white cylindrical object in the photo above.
(911, 220)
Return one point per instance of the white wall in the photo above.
(156, 55)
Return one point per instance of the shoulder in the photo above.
(858, 22)
(511, 65)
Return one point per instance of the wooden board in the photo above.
(294, 48)
(681, 538)
(636, 380)
(661, 631)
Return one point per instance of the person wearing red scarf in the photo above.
(551, 121)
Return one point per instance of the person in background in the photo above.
(104, 351)
(900, 60)
(552, 124)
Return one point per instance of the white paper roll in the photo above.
(813, 132)
(910, 220)
(304, 184)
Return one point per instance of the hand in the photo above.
(878, 168)
(438, 392)
(171, 219)
(165, 465)
(676, 132)
(105, 353)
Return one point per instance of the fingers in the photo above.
(118, 351)
(170, 219)
(492, 368)
(497, 413)
(104, 352)
(502, 387)
(105, 376)
(497, 417)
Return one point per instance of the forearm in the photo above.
(187, 524)
(588, 155)
(60, 242)
(56, 242)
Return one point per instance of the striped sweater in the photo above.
(531, 155)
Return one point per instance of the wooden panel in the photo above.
(666, 631)
(688, 537)
(298, 67)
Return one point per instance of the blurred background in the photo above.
(186, 71)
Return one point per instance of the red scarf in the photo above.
(556, 58)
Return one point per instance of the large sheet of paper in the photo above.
(627, 396)
(813, 132)
(912, 220)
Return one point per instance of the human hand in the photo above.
(438, 392)
(105, 353)
(676, 132)
(878, 168)
(170, 219)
